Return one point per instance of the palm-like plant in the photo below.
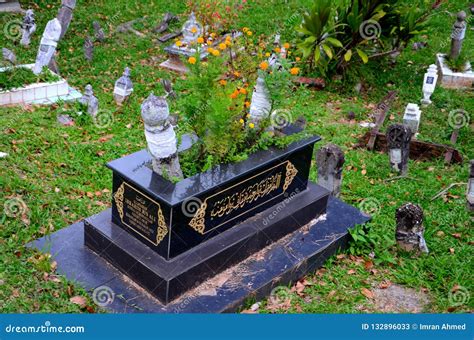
(317, 32)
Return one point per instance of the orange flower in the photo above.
(194, 30)
(200, 40)
(192, 60)
(241, 121)
(179, 43)
(267, 54)
(264, 65)
(277, 49)
(210, 49)
(245, 29)
(222, 46)
(216, 53)
(286, 45)
(249, 33)
(243, 91)
(228, 43)
(223, 82)
(294, 71)
(247, 104)
(297, 58)
(237, 73)
(234, 94)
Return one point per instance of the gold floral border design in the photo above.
(162, 229)
(198, 221)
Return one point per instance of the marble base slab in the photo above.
(453, 80)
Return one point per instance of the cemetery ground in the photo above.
(58, 172)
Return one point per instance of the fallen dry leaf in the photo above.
(385, 284)
(367, 293)
(79, 300)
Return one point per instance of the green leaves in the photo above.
(348, 56)
(362, 56)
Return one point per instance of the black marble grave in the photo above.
(173, 218)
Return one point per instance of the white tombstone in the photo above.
(260, 105)
(429, 84)
(123, 87)
(412, 117)
(49, 41)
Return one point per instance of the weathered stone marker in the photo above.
(410, 230)
(9, 56)
(47, 49)
(28, 27)
(470, 188)
(260, 105)
(330, 160)
(398, 141)
(412, 118)
(164, 25)
(123, 87)
(429, 84)
(160, 137)
(90, 101)
(65, 15)
(98, 31)
(457, 36)
(88, 49)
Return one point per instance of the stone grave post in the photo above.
(410, 231)
(48, 44)
(123, 87)
(412, 118)
(90, 101)
(160, 137)
(457, 36)
(65, 15)
(429, 84)
(398, 143)
(28, 27)
(330, 160)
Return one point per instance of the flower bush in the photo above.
(216, 100)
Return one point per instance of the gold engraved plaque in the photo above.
(140, 213)
(239, 199)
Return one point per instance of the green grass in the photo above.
(59, 172)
